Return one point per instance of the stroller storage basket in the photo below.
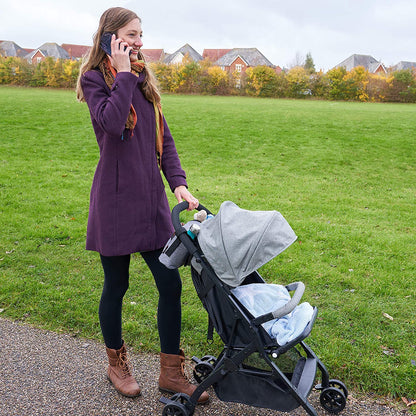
(260, 388)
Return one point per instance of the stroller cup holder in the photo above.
(252, 368)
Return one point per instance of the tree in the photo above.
(377, 87)
(337, 85)
(166, 76)
(403, 86)
(319, 85)
(70, 73)
(189, 75)
(298, 80)
(356, 82)
(309, 64)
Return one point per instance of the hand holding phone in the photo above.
(119, 59)
(106, 43)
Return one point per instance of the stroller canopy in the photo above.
(236, 242)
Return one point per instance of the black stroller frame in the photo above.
(233, 379)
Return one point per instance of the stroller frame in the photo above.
(271, 388)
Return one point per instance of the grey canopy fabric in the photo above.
(237, 242)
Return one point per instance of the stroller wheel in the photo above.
(202, 370)
(339, 385)
(334, 383)
(175, 409)
(333, 399)
(209, 358)
(178, 405)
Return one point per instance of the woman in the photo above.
(129, 210)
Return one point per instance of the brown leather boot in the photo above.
(172, 376)
(119, 372)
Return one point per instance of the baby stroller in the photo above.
(255, 367)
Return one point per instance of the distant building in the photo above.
(9, 48)
(178, 56)
(368, 62)
(214, 54)
(404, 65)
(76, 52)
(153, 55)
(47, 49)
(239, 59)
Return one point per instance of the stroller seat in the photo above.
(260, 299)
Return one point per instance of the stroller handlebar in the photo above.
(183, 206)
(299, 289)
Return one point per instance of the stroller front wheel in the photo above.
(339, 385)
(202, 371)
(333, 400)
(175, 409)
(178, 405)
(204, 367)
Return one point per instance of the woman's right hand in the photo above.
(120, 55)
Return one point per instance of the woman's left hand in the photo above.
(182, 193)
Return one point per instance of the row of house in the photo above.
(232, 60)
(237, 59)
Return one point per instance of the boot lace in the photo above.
(187, 369)
(124, 364)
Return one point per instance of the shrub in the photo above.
(261, 81)
(298, 82)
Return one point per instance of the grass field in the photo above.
(342, 174)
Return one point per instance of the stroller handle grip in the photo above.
(177, 209)
(299, 289)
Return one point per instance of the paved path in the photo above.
(43, 373)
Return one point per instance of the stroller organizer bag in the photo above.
(265, 361)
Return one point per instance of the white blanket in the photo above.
(261, 298)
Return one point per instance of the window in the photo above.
(238, 67)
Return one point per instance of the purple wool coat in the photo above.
(129, 210)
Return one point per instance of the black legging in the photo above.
(116, 283)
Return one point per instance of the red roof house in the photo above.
(76, 51)
(214, 54)
(153, 55)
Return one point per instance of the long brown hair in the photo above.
(111, 21)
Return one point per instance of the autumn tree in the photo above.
(337, 84)
(298, 82)
(215, 81)
(166, 76)
(356, 82)
(261, 81)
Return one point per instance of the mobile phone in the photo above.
(106, 43)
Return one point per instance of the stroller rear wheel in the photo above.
(333, 400)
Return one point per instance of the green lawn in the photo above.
(342, 174)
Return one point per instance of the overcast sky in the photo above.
(284, 31)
